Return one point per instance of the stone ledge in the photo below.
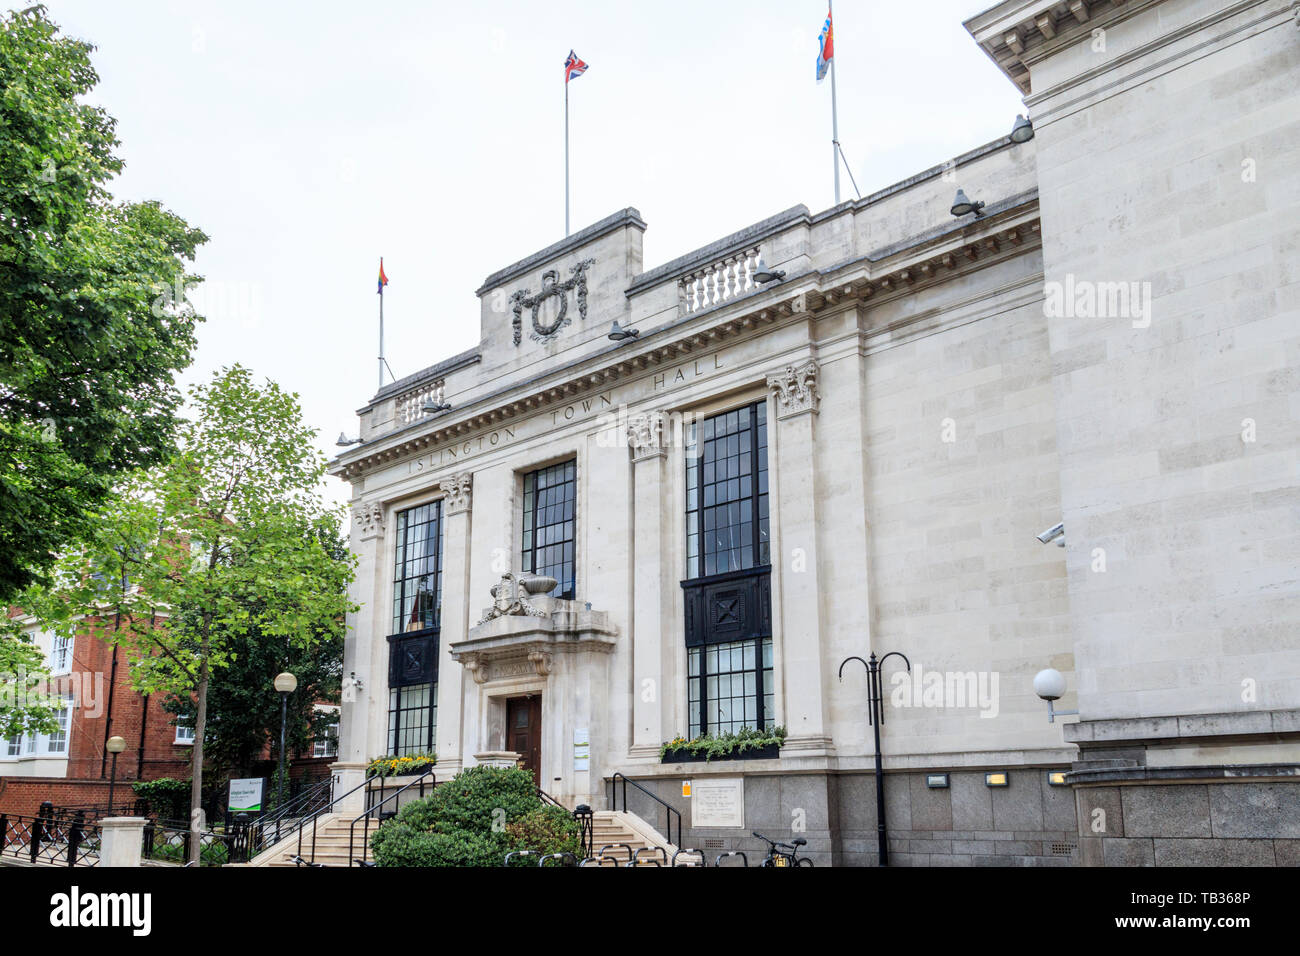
(1230, 773)
(1187, 727)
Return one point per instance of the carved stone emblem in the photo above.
(551, 287)
(510, 597)
(796, 389)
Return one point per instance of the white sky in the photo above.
(307, 139)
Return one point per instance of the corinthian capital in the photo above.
(645, 434)
(796, 389)
(369, 519)
(459, 490)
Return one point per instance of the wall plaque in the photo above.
(718, 802)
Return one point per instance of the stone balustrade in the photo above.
(719, 281)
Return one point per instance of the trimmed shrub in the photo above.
(548, 830)
(475, 819)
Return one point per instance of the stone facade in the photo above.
(930, 407)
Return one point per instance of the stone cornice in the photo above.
(1012, 33)
(1009, 227)
(624, 217)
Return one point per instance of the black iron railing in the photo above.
(376, 812)
(92, 813)
(46, 839)
(671, 813)
(169, 841)
(270, 828)
(312, 820)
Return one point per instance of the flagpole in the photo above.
(835, 118)
(566, 151)
(381, 331)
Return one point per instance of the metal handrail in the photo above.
(294, 808)
(315, 817)
(669, 810)
(373, 811)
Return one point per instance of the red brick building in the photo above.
(71, 766)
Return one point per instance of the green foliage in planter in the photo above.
(475, 819)
(392, 766)
(724, 745)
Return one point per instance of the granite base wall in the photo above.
(1190, 824)
(1027, 823)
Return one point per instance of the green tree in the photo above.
(91, 328)
(224, 540)
(244, 711)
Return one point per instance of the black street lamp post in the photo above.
(115, 746)
(876, 717)
(286, 684)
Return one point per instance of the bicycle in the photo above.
(784, 854)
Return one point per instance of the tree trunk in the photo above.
(196, 785)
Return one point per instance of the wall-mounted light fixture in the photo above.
(763, 275)
(936, 781)
(1049, 684)
(435, 404)
(619, 334)
(998, 778)
(1056, 778)
(1022, 131)
(962, 206)
(344, 441)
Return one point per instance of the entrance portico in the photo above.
(540, 669)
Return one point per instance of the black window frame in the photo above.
(414, 645)
(697, 685)
(729, 607)
(398, 708)
(404, 573)
(758, 499)
(529, 537)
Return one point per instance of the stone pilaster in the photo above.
(457, 507)
(792, 447)
(650, 581)
(365, 652)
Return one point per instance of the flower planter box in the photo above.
(770, 752)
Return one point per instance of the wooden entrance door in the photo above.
(524, 732)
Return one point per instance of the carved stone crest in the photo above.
(510, 597)
(551, 287)
(796, 389)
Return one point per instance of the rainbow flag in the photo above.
(383, 279)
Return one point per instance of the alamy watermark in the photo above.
(1085, 299)
(946, 689)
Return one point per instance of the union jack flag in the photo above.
(573, 67)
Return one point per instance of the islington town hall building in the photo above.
(657, 503)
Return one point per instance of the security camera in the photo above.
(1052, 533)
